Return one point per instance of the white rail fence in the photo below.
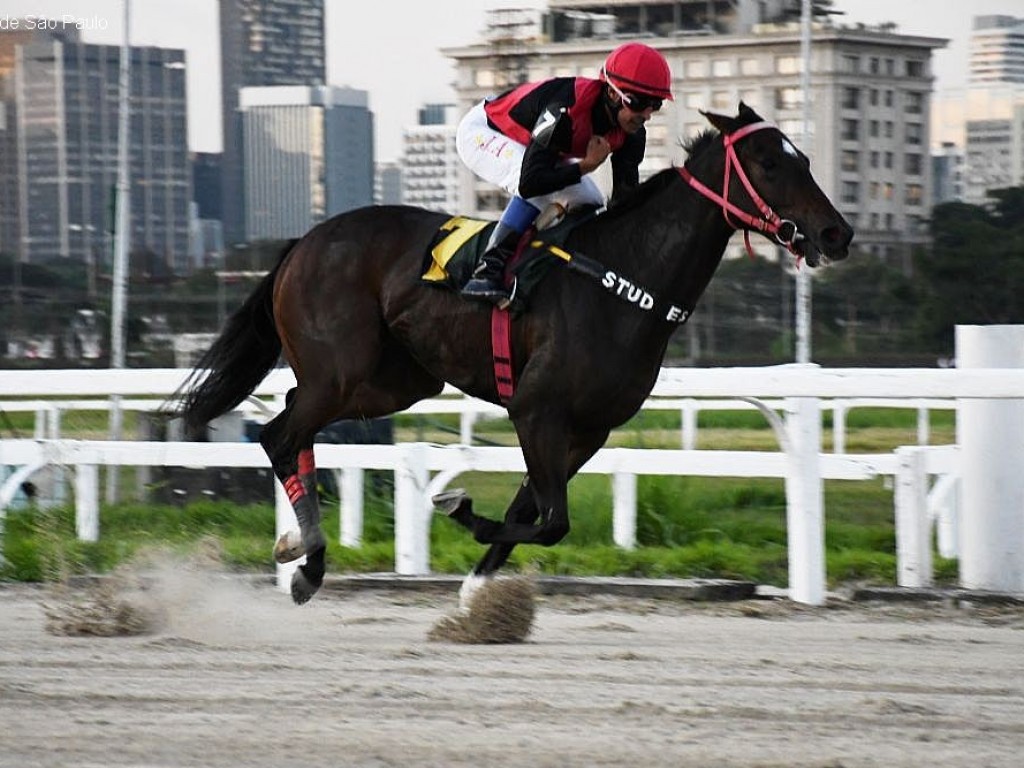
(802, 463)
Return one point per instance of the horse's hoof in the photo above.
(289, 547)
(304, 587)
(450, 502)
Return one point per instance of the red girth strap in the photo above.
(768, 221)
(501, 351)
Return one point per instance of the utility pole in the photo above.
(122, 232)
(803, 278)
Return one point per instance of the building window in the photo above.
(850, 64)
(693, 100)
(888, 159)
(888, 98)
(915, 102)
(850, 130)
(873, 129)
(696, 68)
(915, 194)
(889, 129)
(850, 160)
(851, 98)
(873, 67)
(874, 159)
(913, 165)
(915, 68)
(721, 68)
(721, 100)
(874, 97)
(914, 133)
(890, 67)
(788, 65)
(750, 66)
(751, 97)
(788, 98)
(850, 192)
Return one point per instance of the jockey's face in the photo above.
(630, 118)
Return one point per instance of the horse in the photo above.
(366, 337)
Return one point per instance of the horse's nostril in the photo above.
(836, 236)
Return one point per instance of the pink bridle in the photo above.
(769, 222)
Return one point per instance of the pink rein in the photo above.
(769, 222)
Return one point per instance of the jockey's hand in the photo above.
(598, 150)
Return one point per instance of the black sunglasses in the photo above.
(640, 102)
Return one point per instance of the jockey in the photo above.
(539, 141)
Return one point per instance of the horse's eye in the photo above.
(769, 164)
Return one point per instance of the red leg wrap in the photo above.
(295, 489)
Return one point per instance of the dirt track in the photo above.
(239, 677)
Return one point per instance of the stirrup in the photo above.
(482, 288)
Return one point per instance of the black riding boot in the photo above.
(487, 282)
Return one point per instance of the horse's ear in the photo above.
(725, 125)
(747, 115)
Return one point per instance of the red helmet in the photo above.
(638, 68)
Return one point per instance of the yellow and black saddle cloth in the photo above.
(456, 248)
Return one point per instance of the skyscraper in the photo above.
(66, 96)
(263, 43)
(308, 155)
(430, 162)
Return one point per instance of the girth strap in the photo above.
(501, 351)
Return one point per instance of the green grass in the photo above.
(686, 526)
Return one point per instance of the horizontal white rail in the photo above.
(760, 382)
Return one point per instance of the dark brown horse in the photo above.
(365, 338)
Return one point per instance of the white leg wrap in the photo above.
(469, 587)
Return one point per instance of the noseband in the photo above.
(769, 222)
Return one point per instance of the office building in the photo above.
(430, 162)
(387, 187)
(308, 154)
(994, 128)
(67, 102)
(10, 39)
(869, 112)
(263, 43)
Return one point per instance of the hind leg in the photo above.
(291, 456)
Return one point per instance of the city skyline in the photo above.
(400, 83)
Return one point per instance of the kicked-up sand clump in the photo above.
(500, 611)
(108, 607)
(128, 601)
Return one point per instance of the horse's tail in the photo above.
(241, 357)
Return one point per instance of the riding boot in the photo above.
(487, 282)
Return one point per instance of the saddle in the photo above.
(460, 242)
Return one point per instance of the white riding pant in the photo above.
(496, 158)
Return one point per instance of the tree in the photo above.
(974, 273)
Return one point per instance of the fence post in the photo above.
(412, 512)
(992, 486)
(805, 501)
(87, 502)
(913, 525)
(624, 509)
(838, 427)
(688, 416)
(351, 512)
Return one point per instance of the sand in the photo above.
(238, 676)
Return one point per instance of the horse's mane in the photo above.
(656, 183)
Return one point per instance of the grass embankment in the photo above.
(686, 526)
